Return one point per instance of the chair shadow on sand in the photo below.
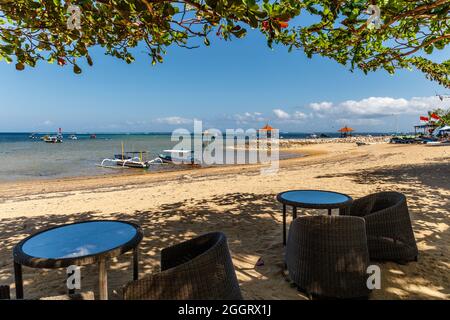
(253, 226)
(427, 188)
(251, 222)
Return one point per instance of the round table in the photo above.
(312, 199)
(79, 244)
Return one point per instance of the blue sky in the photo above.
(238, 84)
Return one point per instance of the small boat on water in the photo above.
(132, 159)
(53, 139)
(177, 156)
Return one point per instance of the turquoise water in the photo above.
(22, 158)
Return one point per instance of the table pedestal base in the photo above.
(102, 280)
(18, 280)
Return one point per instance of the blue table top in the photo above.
(314, 197)
(79, 240)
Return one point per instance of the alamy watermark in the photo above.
(374, 20)
(374, 279)
(74, 21)
(235, 146)
(73, 277)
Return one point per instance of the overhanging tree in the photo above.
(34, 30)
(443, 116)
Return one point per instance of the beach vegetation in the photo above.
(406, 33)
(441, 116)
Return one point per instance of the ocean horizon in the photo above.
(24, 158)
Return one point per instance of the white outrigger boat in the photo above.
(136, 159)
(53, 139)
(133, 159)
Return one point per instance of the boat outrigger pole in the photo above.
(133, 159)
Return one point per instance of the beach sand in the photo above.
(175, 206)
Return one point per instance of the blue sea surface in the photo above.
(23, 158)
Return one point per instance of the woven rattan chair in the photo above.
(327, 256)
(198, 269)
(4, 293)
(388, 225)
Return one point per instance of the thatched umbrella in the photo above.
(268, 129)
(346, 131)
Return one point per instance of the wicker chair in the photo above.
(389, 232)
(4, 293)
(327, 256)
(198, 269)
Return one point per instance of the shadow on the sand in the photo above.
(427, 187)
(252, 224)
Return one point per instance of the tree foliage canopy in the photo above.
(33, 30)
(444, 116)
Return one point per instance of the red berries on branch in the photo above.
(61, 62)
(282, 24)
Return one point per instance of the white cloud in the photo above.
(174, 120)
(320, 106)
(298, 115)
(377, 107)
(295, 117)
(48, 123)
(359, 122)
(281, 114)
(369, 111)
(248, 117)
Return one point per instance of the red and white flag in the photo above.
(424, 119)
(435, 117)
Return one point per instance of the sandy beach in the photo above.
(175, 206)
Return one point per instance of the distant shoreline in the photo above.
(285, 154)
(170, 132)
(289, 149)
(132, 177)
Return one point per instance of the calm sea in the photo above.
(23, 158)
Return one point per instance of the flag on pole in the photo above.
(434, 116)
(424, 119)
